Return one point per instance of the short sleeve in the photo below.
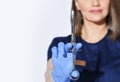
(49, 53)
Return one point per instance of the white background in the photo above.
(26, 30)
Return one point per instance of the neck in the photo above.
(92, 32)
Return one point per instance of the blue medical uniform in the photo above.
(102, 59)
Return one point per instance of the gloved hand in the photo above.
(62, 61)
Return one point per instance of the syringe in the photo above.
(75, 73)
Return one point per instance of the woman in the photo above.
(98, 58)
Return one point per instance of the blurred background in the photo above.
(27, 27)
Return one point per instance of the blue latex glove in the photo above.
(62, 61)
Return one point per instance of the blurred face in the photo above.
(93, 10)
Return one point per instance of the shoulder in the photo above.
(64, 39)
(56, 40)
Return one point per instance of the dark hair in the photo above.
(112, 20)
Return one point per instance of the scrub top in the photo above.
(102, 58)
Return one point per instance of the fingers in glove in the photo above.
(54, 52)
(78, 46)
(61, 49)
(68, 50)
(68, 47)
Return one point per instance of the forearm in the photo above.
(48, 73)
(48, 77)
